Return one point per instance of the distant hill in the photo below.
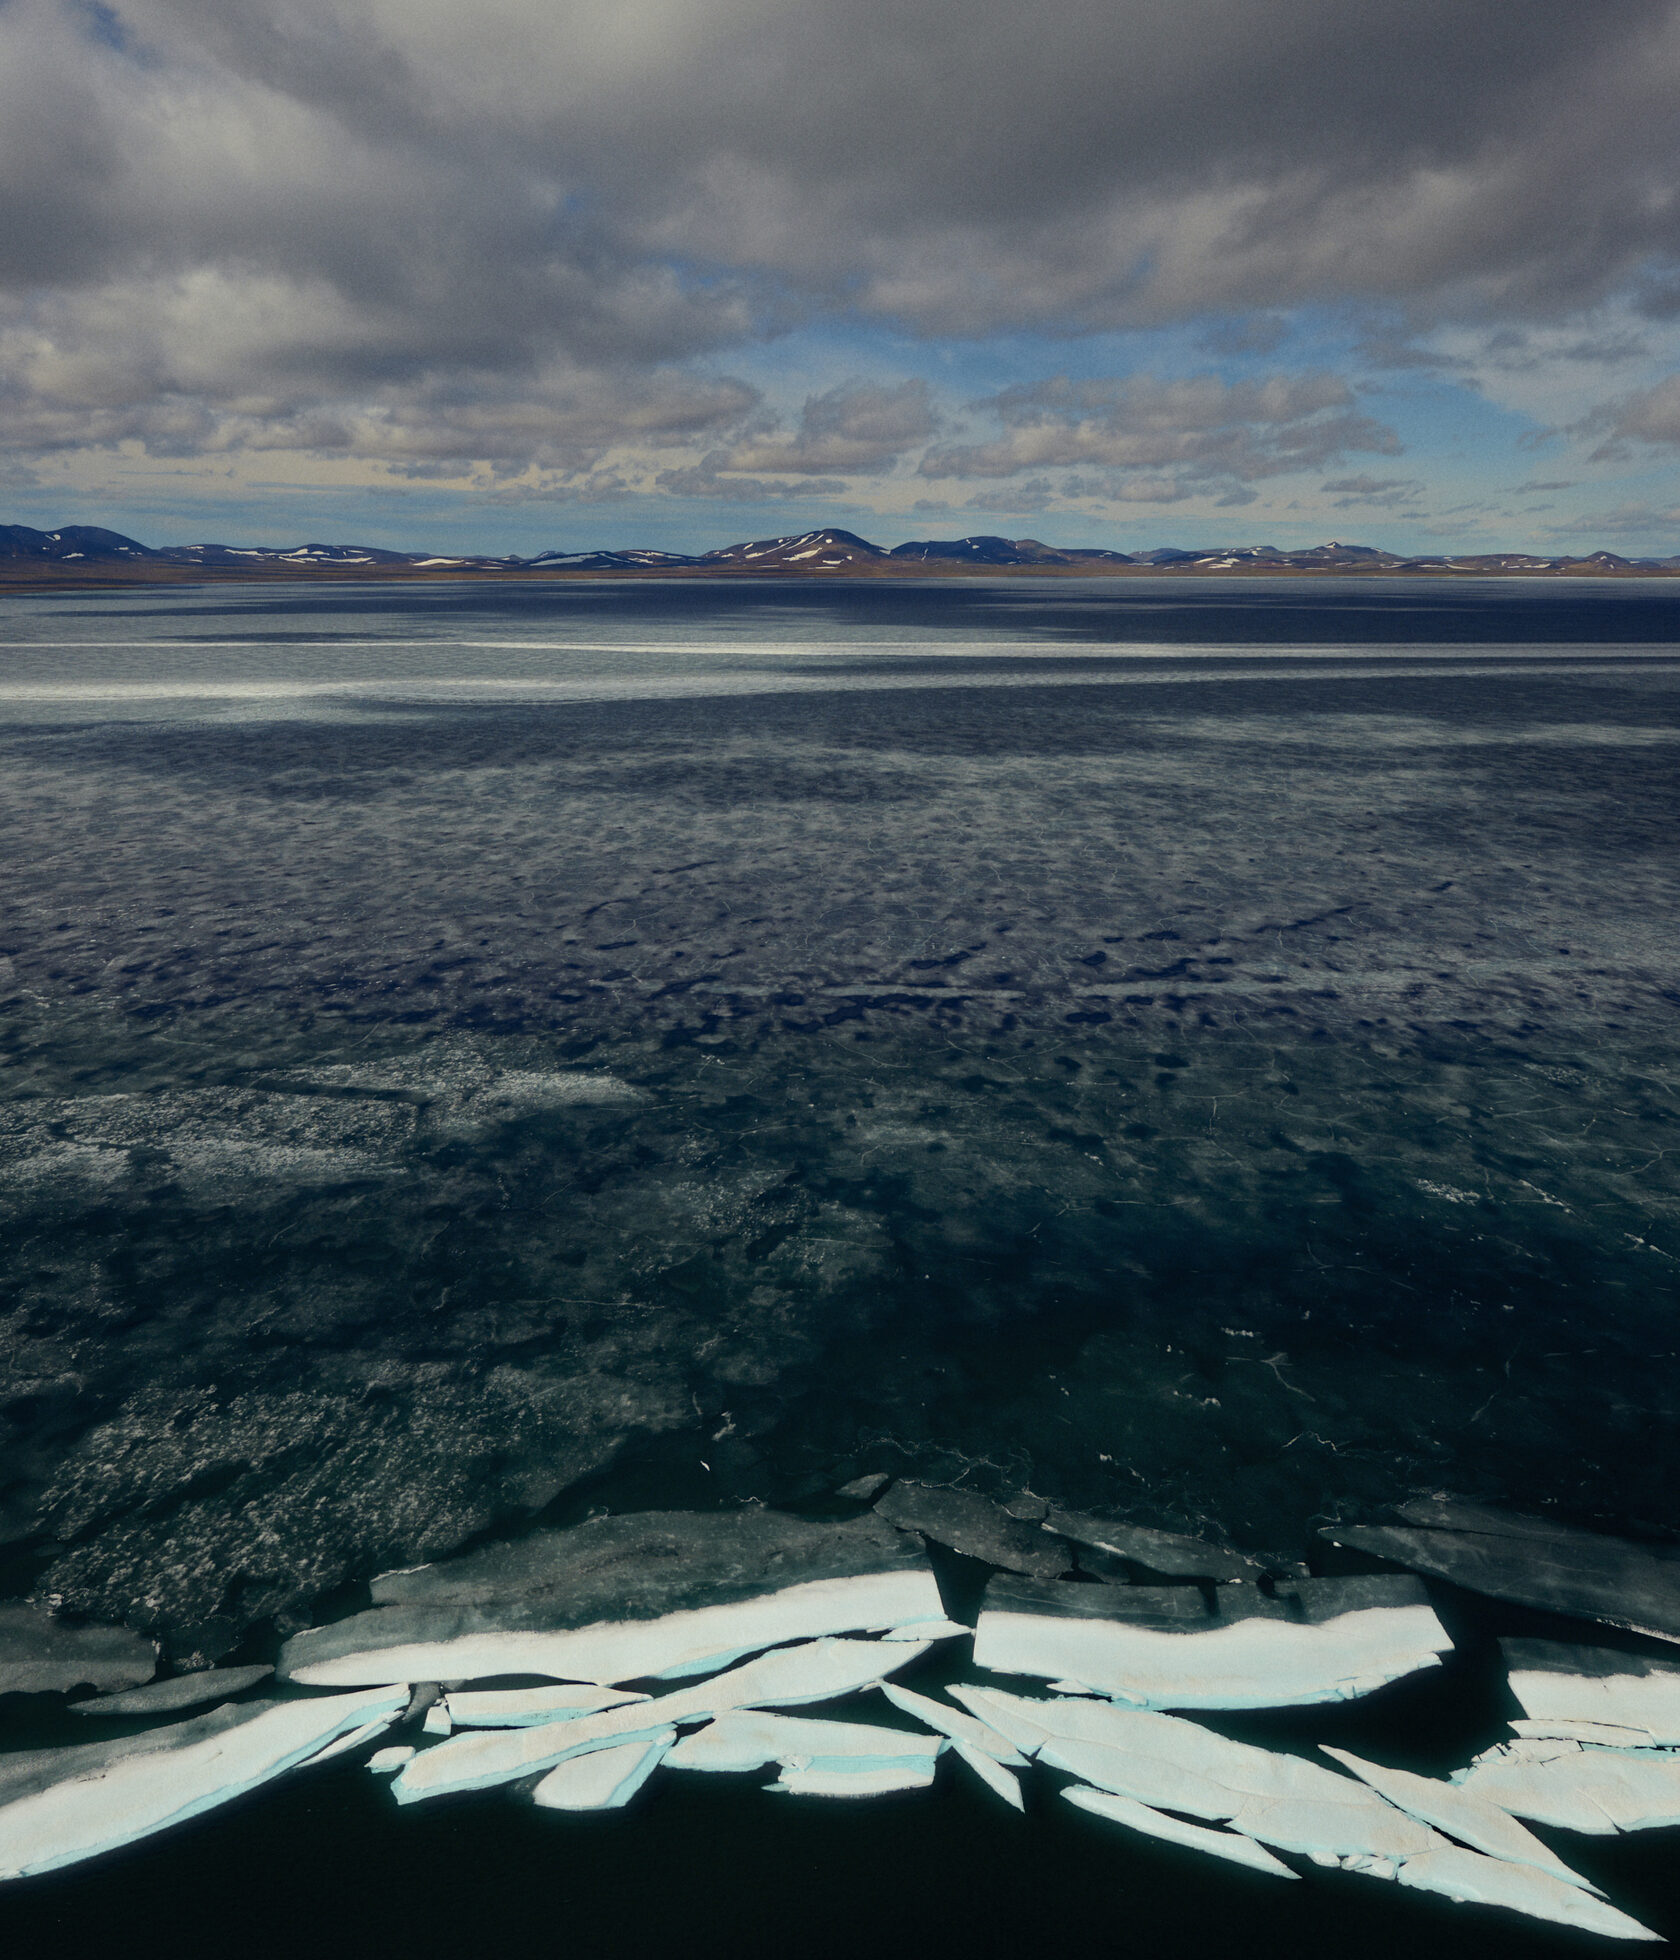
(84, 550)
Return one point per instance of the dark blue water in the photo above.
(1202, 1052)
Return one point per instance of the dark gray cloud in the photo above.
(415, 231)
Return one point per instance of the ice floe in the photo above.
(653, 1595)
(386, 1762)
(1578, 1787)
(953, 1722)
(1176, 1830)
(519, 1708)
(41, 1654)
(1474, 1820)
(606, 1779)
(1591, 1694)
(60, 1806)
(990, 1772)
(860, 1782)
(1472, 1879)
(1170, 1763)
(1163, 1648)
(818, 1671)
(1532, 1562)
(183, 1691)
(748, 1739)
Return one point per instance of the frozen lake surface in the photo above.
(1202, 1052)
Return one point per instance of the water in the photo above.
(1200, 1051)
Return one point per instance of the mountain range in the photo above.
(85, 552)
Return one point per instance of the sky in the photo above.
(538, 274)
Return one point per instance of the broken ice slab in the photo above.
(1174, 1830)
(345, 1745)
(41, 1654)
(1569, 1690)
(1471, 1879)
(58, 1806)
(816, 1671)
(990, 1772)
(386, 1762)
(1576, 1787)
(929, 1630)
(1530, 1562)
(1473, 1820)
(1169, 1763)
(975, 1526)
(749, 1738)
(184, 1691)
(954, 1723)
(1163, 1647)
(654, 1594)
(860, 1782)
(1166, 1552)
(606, 1779)
(518, 1708)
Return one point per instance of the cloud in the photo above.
(413, 232)
(712, 477)
(1634, 519)
(1380, 492)
(860, 427)
(1197, 430)
(1651, 416)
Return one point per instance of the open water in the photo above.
(1202, 1051)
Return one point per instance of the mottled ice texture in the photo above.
(975, 1526)
(623, 1598)
(518, 1708)
(1473, 1820)
(41, 1654)
(1533, 1562)
(184, 1691)
(606, 1779)
(1139, 1817)
(1169, 1553)
(984, 962)
(60, 1806)
(1163, 1649)
(818, 1671)
(748, 1739)
(1577, 1787)
(1593, 1694)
